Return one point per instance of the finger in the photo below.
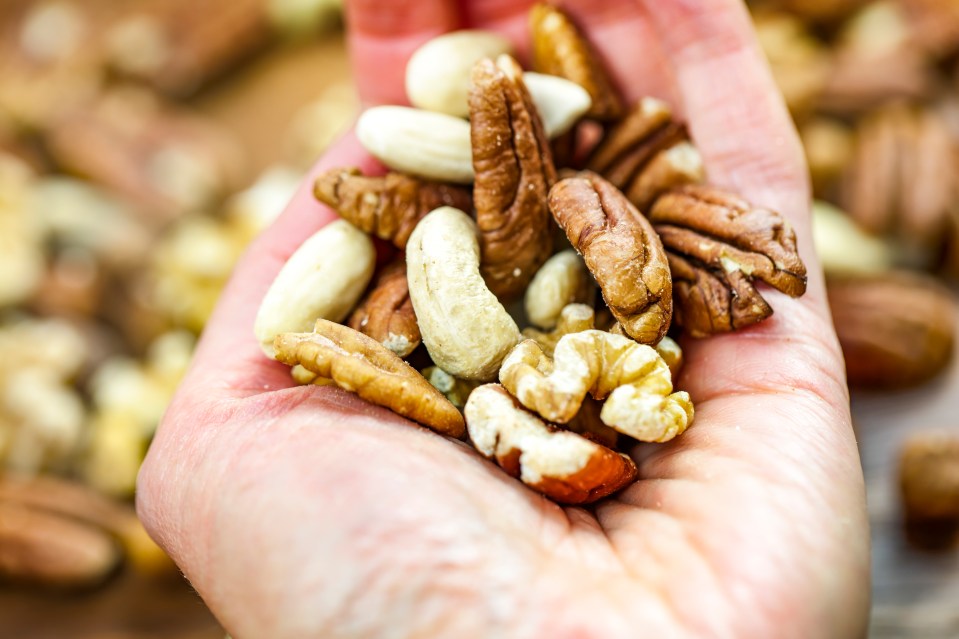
(229, 358)
(735, 111)
(383, 34)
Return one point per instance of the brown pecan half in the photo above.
(362, 365)
(900, 180)
(566, 467)
(718, 244)
(43, 547)
(620, 249)
(514, 171)
(389, 206)
(560, 49)
(646, 154)
(895, 329)
(386, 313)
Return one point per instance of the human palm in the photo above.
(305, 512)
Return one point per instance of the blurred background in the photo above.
(141, 149)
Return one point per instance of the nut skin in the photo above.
(386, 313)
(389, 206)
(620, 249)
(929, 476)
(560, 49)
(896, 329)
(514, 171)
(362, 365)
(633, 378)
(718, 244)
(566, 467)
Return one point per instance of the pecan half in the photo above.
(560, 49)
(360, 364)
(389, 206)
(647, 153)
(386, 313)
(514, 171)
(620, 249)
(896, 329)
(900, 180)
(43, 547)
(718, 244)
(566, 467)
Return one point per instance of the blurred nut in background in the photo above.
(895, 329)
(929, 476)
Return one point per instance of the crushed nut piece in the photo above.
(514, 171)
(573, 319)
(455, 389)
(621, 250)
(386, 313)
(633, 378)
(560, 49)
(362, 365)
(562, 465)
(718, 244)
(389, 206)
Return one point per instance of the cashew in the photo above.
(438, 73)
(465, 329)
(562, 280)
(560, 103)
(324, 278)
(431, 145)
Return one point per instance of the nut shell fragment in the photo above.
(362, 365)
(562, 465)
(633, 378)
(621, 250)
(389, 206)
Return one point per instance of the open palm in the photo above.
(305, 512)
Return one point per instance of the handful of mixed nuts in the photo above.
(657, 243)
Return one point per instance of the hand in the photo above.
(304, 512)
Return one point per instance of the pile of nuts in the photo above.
(475, 209)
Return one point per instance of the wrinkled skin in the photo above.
(303, 512)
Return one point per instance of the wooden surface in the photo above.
(915, 588)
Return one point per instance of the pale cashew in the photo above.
(562, 280)
(465, 329)
(438, 73)
(324, 278)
